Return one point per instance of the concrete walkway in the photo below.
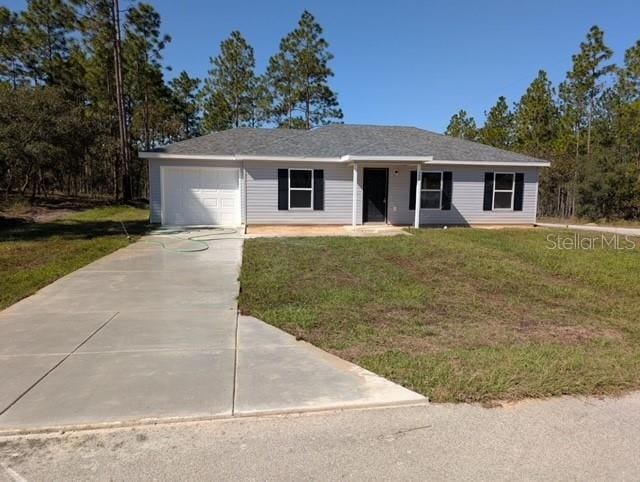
(152, 333)
(594, 228)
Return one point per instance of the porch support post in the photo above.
(354, 210)
(416, 222)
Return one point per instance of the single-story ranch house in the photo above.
(340, 174)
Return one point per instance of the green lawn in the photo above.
(458, 314)
(32, 255)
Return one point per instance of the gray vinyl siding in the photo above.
(262, 194)
(155, 181)
(261, 182)
(467, 198)
(466, 206)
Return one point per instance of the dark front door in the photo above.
(375, 195)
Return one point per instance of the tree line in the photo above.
(588, 126)
(83, 89)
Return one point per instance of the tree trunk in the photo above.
(125, 151)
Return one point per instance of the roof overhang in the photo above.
(411, 159)
(493, 163)
(348, 159)
(203, 157)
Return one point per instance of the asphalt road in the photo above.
(558, 439)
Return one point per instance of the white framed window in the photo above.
(300, 188)
(431, 190)
(503, 188)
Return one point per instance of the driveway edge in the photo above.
(204, 418)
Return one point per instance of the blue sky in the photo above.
(408, 62)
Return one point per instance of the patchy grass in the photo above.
(32, 255)
(461, 314)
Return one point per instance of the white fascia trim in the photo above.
(343, 159)
(164, 155)
(350, 158)
(288, 159)
(492, 163)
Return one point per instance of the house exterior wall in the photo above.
(260, 179)
(467, 197)
(466, 206)
(155, 181)
(262, 194)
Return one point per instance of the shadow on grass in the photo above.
(71, 229)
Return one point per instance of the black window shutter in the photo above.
(518, 195)
(318, 189)
(488, 191)
(283, 189)
(447, 190)
(412, 190)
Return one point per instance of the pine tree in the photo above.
(498, 127)
(282, 90)
(610, 182)
(11, 48)
(584, 84)
(260, 105)
(186, 103)
(580, 94)
(146, 90)
(229, 89)
(462, 126)
(48, 28)
(536, 118)
(536, 127)
(218, 113)
(98, 24)
(298, 78)
(624, 105)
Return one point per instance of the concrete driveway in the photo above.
(151, 333)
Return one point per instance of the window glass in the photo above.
(431, 193)
(300, 178)
(502, 200)
(430, 200)
(504, 182)
(431, 180)
(300, 199)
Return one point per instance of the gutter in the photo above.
(347, 159)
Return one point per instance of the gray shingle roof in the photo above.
(334, 141)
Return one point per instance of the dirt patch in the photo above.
(17, 210)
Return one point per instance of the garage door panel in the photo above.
(201, 196)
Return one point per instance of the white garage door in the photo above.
(201, 196)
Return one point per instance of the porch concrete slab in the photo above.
(19, 373)
(166, 330)
(287, 375)
(111, 387)
(367, 230)
(47, 333)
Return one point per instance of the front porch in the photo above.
(315, 230)
(394, 193)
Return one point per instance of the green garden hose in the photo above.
(199, 240)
